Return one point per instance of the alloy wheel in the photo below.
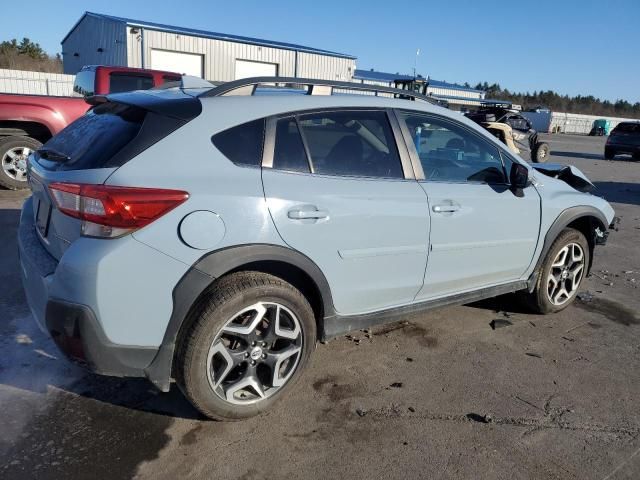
(565, 274)
(255, 353)
(14, 163)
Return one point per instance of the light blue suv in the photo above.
(212, 236)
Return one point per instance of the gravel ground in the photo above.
(440, 395)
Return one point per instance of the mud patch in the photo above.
(423, 336)
(610, 309)
(330, 387)
(191, 437)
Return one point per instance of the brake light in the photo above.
(108, 211)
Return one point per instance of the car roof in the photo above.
(267, 105)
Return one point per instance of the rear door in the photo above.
(340, 192)
(482, 233)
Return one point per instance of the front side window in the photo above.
(342, 143)
(449, 152)
(123, 82)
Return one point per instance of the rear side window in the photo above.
(242, 144)
(124, 82)
(289, 153)
(342, 143)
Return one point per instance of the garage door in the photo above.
(246, 68)
(179, 62)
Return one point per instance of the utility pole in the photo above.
(415, 65)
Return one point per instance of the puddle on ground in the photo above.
(614, 311)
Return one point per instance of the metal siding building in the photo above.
(458, 95)
(98, 39)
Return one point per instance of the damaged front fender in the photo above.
(568, 174)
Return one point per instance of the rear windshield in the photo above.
(125, 82)
(627, 128)
(93, 139)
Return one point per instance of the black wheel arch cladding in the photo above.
(202, 276)
(583, 218)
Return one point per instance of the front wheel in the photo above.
(14, 152)
(250, 339)
(561, 274)
(542, 153)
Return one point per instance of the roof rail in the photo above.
(248, 86)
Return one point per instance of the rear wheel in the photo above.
(561, 274)
(542, 153)
(14, 152)
(250, 339)
(609, 154)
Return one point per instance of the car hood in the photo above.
(568, 174)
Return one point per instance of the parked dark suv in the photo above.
(625, 138)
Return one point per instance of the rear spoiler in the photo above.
(170, 103)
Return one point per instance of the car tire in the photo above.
(14, 151)
(228, 375)
(568, 271)
(541, 154)
(609, 154)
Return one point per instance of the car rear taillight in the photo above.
(108, 211)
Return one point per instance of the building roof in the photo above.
(208, 34)
(372, 75)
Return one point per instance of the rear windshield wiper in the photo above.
(49, 154)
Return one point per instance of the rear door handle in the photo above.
(307, 213)
(445, 208)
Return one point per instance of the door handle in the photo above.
(307, 213)
(445, 208)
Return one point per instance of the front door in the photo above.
(337, 191)
(482, 233)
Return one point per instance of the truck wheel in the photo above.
(609, 154)
(248, 342)
(561, 274)
(542, 153)
(13, 156)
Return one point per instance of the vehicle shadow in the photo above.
(590, 156)
(509, 303)
(30, 360)
(581, 155)
(619, 192)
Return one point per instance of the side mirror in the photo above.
(519, 176)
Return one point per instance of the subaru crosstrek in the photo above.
(212, 236)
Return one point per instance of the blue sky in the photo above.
(573, 47)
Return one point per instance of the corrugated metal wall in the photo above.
(454, 92)
(311, 65)
(579, 124)
(220, 56)
(35, 83)
(90, 35)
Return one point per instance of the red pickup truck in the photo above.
(27, 121)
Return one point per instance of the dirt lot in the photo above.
(441, 395)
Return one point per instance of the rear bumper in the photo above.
(78, 335)
(73, 326)
(621, 148)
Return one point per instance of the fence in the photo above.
(35, 83)
(578, 124)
